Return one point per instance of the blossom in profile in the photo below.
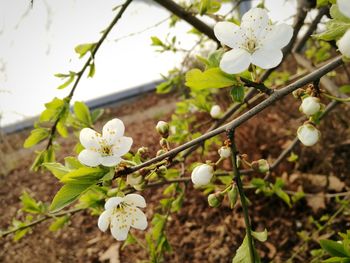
(344, 44)
(344, 7)
(215, 112)
(106, 148)
(121, 213)
(255, 41)
(310, 106)
(225, 152)
(202, 174)
(308, 134)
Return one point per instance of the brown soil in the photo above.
(197, 233)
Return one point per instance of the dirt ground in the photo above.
(197, 233)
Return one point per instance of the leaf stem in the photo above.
(336, 98)
(237, 178)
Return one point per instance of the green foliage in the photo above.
(30, 205)
(68, 77)
(237, 93)
(208, 6)
(211, 78)
(336, 27)
(59, 223)
(82, 113)
(82, 49)
(57, 169)
(345, 89)
(36, 136)
(213, 60)
(166, 45)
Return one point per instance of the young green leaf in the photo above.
(82, 49)
(59, 223)
(57, 169)
(334, 248)
(84, 175)
(211, 78)
(237, 93)
(36, 136)
(82, 113)
(67, 82)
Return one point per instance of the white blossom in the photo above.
(344, 43)
(308, 134)
(215, 112)
(344, 7)
(202, 174)
(105, 149)
(224, 152)
(310, 106)
(121, 213)
(255, 41)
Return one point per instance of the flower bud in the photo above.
(160, 152)
(261, 166)
(134, 179)
(143, 153)
(233, 196)
(310, 106)
(163, 143)
(224, 152)
(202, 174)
(163, 128)
(308, 134)
(344, 44)
(298, 93)
(162, 170)
(214, 200)
(215, 112)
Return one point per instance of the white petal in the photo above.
(202, 174)
(308, 134)
(112, 130)
(344, 7)
(104, 220)
(135, 200)
(89, 138)
(109, 161)
(344, 44)
(138, 219)
(122, 146)
(235, 61)
(229, 34)
(113, 202)
(255, 21)
(89, 158)
(120, 226)
(277, 37)
(267, 58)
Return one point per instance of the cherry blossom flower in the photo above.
(225, 152)
(308, 134)
(255, 41)
(344, 7)
(105, 149)
(215, 112)
(310, 106)
(121, 213)
(344, 44)
(202, 174)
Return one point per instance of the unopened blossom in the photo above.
(310, 106)
(255, 41)
(162, 128)
(224, 152)
(344, 43)
(215, 112)
(106, 148)
(202, 174)
(133, 179)
(121, 213)
(344, 7)
(308, 134)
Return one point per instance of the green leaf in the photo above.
(96, 114)
(82, 49)
(164, 87)
(337, 260)
(59, 223)
(334, 248)
(130, 240)
(243, 255)
(82, 113)
(84, 175)
(62, 130)
(321, 3)
(338, 15)
(211, 78)
(261, 236)
(30, 205)
(68, 81)
(92, 70)
(72, 163)
(36, 136)
(67, 195)
(345, 89)
(237, 93)
(57, 169)
(156, 41)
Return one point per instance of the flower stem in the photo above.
(237, 178)
(336, 98)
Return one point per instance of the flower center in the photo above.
(251, 45)
(105, 149)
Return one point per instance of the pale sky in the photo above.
(36, 43)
